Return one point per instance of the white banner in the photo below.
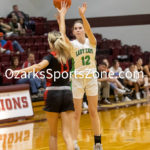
(15, 104)
(16, 138)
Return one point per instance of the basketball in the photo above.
(57, 3)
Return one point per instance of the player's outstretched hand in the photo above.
(63, 9)
(82, 9)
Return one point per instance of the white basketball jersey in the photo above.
(83, 56)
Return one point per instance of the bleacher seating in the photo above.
(38, 44)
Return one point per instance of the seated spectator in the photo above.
(30, 61)
(131, 79)
(139, 64)
(5, 46)
(22, 26)
(15, 63)
(34, 86)
(147, 70)
(41, 83)
(143, 80)
(103, 84)
(20, 14)
(116, 84)
(106, 62)
(116, 69)
(5, 28)
(8, 46)
(16, 27)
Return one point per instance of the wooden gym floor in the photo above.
(122, 129)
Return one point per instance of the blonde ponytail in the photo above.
(60, 46)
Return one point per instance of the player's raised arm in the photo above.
(61, 21)
(86, 24)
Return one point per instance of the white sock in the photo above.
(138, 95)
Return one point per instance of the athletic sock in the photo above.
(97, 139)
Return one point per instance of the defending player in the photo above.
(59, 95)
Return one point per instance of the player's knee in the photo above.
(77, 115)
(67, 137)
(93, 113)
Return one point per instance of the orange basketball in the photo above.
(57, 3)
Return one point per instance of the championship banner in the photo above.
(16, 138)
(15, 104)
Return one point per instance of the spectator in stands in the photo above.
(131, 79)
(30, 80)
(103, 83)
(15, 66)
(1, 27)
(106, 62)
(5, 28)
(20, 14)
(30, 61)
(139, 64)
(115, 85)
(147, 70)
(8, 46)
(41, 83)
(22, 26)
(5, 46)
(15, 63)
(16, 27)
(116, 69)
(143, 80)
